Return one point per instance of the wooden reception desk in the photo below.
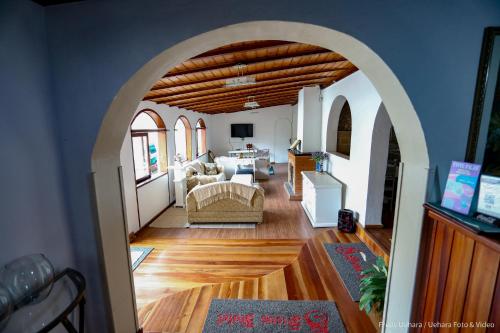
(458, 277)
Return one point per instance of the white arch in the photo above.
(333, 123)
(106, 155)
(378, 165)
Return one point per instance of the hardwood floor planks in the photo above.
(283, 259)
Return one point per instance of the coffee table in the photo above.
(242, 179)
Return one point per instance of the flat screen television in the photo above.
(241, 130)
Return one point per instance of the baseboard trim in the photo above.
(150, 221)
(372, 226)
(371, 242)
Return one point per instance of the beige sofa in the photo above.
(196, 173)
(223, 208)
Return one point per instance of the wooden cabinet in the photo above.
(321, 198)
(297, 162)
(458, 281)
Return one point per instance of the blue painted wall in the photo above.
(32, 203)
(95, 46)
(33, 212)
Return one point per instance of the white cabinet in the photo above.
(321, 198)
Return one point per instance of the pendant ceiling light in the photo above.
(251, 103)
(241, 79)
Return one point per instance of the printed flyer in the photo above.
(460, 186)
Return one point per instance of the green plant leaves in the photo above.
(372, 287)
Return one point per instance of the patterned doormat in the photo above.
(138, 254)
(350, 259)
(237, 316)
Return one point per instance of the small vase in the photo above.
(319, 166)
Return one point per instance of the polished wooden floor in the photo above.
(181, 264)
(283, 258)
(283, 219)
(383, 237)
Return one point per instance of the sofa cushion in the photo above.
(191, 182)
(198, 166)
(211, 169)
(191, 171)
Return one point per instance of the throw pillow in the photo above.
(198, 167)
(190, 171)
(191, 183)
(211, 169)
(203, 180)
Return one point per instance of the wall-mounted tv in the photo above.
(241, 130)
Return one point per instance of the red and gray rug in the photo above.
(350, 259)
(238, 316)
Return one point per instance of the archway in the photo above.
(415, 161)
(339, 108)
(378, 165)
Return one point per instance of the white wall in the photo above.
(158, 194)
(355, 171)
(309, 118)
(153, 197)
(273, 129)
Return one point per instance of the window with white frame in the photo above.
(149, 146)
(182, 139)
(201, 138)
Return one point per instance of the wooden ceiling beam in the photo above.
(268, 84)
(281, 101)
(322, 58)
(260, 83)
(241, 108)
(242, 101)
(262, 89)
(280, 68)
(253, 91)
(242, 46)
(246, 56)
(262, 77)
(264, 93)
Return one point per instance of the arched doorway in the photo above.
(415, 161)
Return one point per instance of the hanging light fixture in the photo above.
(251, 103)
(241, 79)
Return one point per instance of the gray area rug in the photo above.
(173, 217)
(138, 254)
(350, 259)
(237, 316)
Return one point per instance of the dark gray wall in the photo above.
(95, 46)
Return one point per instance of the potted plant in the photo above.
(372, 287)
(319, 157)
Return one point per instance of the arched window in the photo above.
(183, 139)
(149, 146)
(344, 131)
(201, 138)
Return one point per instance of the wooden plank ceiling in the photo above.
(280, 70)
